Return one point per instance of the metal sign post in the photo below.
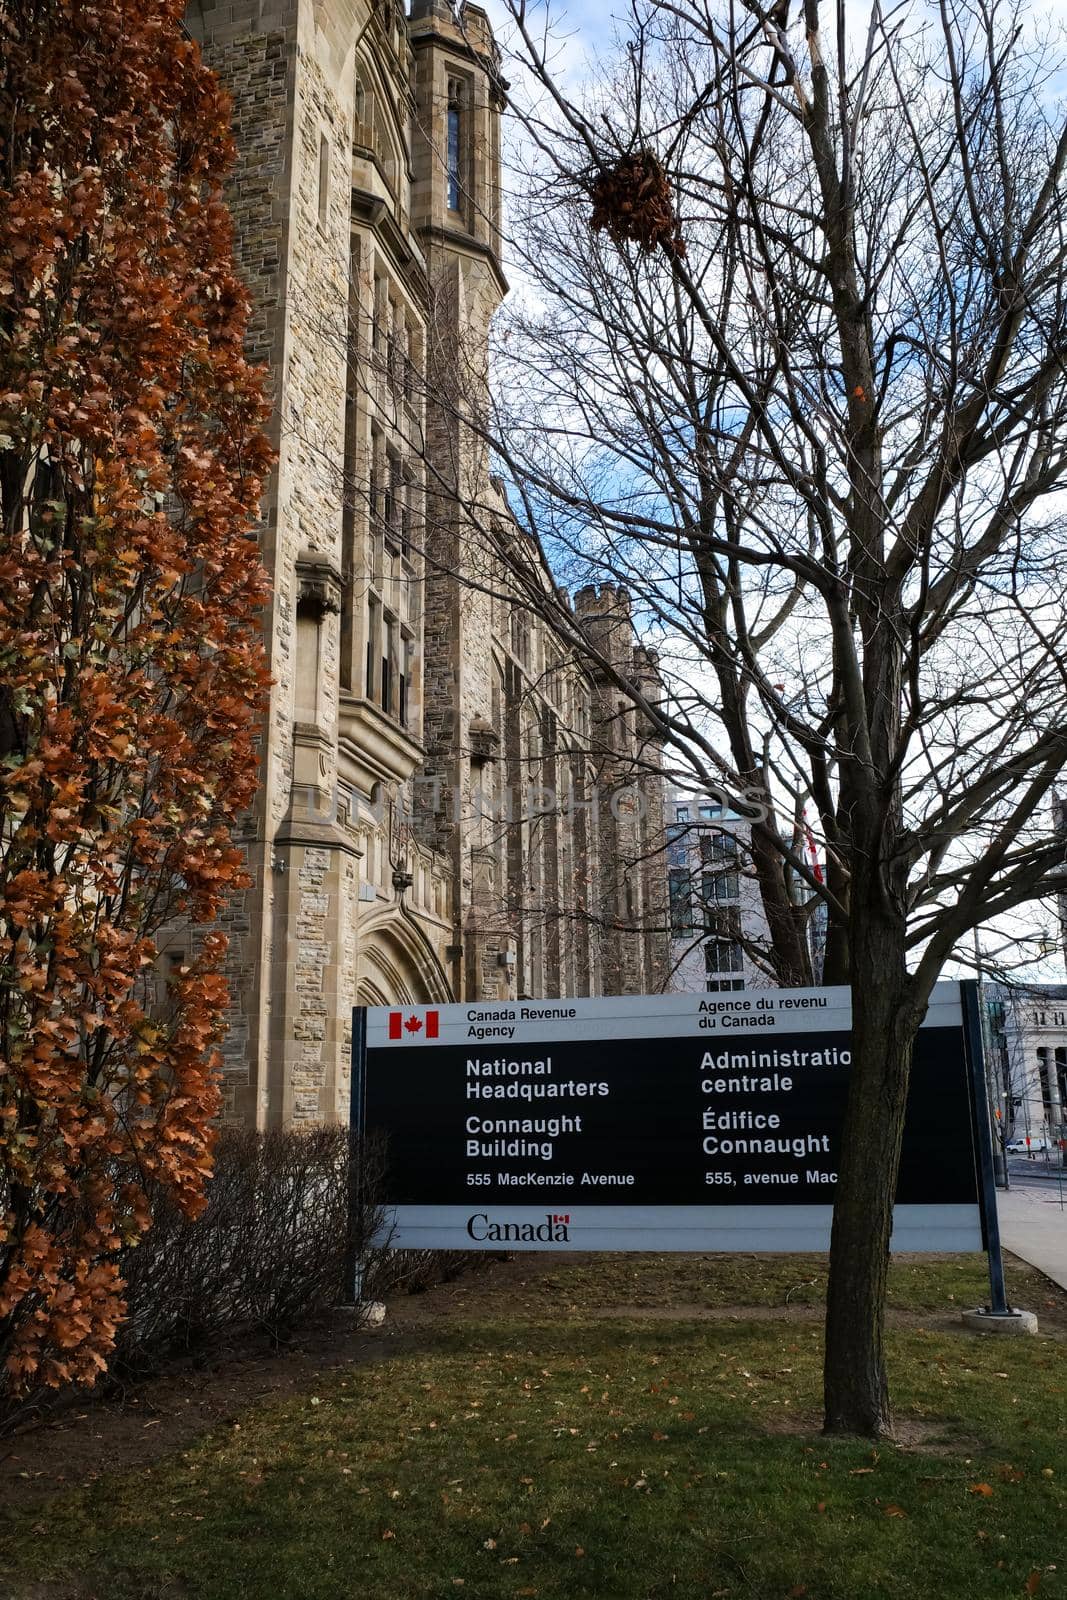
(974, 1038)
(356, 1128)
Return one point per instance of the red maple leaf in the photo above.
(413, 1024)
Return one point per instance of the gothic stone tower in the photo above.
(366, 202)
(363, 194)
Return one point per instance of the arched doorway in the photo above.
(397, 964)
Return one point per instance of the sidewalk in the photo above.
(1033, 1226)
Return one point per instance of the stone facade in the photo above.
(1027, 1048)
(452, 805)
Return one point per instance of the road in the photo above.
(1037, 1172)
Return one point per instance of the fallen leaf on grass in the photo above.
(388, 1534)
(1033, 1582)
(895, 1511)
(984, 1489)
(578, 1550)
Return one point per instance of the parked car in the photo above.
(1023, 1146)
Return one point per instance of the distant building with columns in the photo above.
(1028, 1039)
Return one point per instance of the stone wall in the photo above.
(412, 689)
(253, 49)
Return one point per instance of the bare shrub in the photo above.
(272, 1249)
(268, 1252)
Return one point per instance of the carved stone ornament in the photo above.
(318, 586)
(484, 741)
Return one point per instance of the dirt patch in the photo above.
(931, 1436)
(925, 1436)
(136, 1426)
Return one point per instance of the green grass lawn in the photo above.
(532, 1449)
(590, 1283)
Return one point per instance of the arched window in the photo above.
(454, 148)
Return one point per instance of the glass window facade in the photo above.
(681, 899)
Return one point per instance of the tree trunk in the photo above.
(885, 1020)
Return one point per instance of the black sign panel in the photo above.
(643, 1122)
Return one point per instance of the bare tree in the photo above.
(797, 381)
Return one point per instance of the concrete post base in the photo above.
(368, 1313)
(1013, 1326)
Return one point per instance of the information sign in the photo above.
(665, 1122)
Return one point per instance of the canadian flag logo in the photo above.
(561, 1216)
(399, 1024)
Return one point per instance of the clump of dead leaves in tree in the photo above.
(131, 669)
(632, 200)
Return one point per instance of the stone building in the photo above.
(395, 852)
(1027, 1042)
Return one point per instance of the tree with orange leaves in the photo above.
(131, 668)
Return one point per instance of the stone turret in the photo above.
(455, 215)
(633, 893)
(605, 615)
(406, 679)
(456, 155)
(289, 67)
